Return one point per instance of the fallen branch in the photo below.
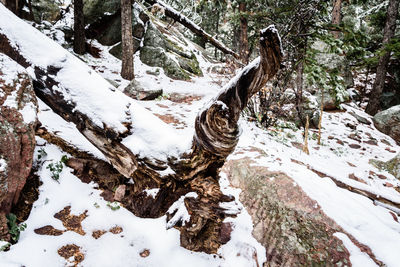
(384, 202)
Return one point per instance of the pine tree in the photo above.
(389, 31)
(127, 40)
(79, 28)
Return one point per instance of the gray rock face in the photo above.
(95, 9)
(310, 108)
(388, 122)
(18, 110)
(392, 166)
(333, 63)
(290, 225)
(116, 51)
(137, 91)
(158, 51)
(45, 10)
(105, 21)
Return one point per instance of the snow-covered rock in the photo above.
(388, 122)
(18, 118)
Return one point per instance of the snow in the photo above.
(357, 257)
(179, 210)
(10, 74)
(66, 131)
(3, 166)
(368, 222)
(110, 249)
(152, 192)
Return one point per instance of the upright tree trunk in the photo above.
(243, 38)
(79, 28)
(336, 16)
(127, 40)
(390, 27)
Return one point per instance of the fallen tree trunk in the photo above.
(193, 27)
(187, 185)
(69, 87)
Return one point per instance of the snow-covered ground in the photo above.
(126, 240)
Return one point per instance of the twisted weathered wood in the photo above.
(215, 138)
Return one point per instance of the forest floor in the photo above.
(71, 224)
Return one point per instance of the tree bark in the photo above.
(243, 38)
(79, 28)
(127, 71)
(193, 181)
(12, 5)
(336, 16)
(388, 33)
(177, 16)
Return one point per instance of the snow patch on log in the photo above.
(179, 210)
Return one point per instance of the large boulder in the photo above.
(105, 25)
(96, 9)
(46, 10)
(18, 118)
(388, 122)
(137, 91)
(309, 107)
(160, 51)
(331, 64)
(290, 225)
(392, 166)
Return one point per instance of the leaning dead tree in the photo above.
(193, 27)
(68, 87)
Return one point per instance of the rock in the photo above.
(289, 224)
(333, 62)
(392, 166)
(106, 25)
(309, 106)
(360, 119)
(159, 51)
(95, 9)
(331, 101)
(113, 83)
(112, 34)
(388, 122)
(137, 91)
(18, 119)
(158, 57)
(45, 10)
(116, 51)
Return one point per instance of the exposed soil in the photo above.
(71, 222)
(69, 251)
(29, 194)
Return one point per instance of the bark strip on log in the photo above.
(182, 19)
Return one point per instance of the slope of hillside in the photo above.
(71, 224)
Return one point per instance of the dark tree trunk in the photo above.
(79, 28)
(12, 5)
(127, 40)
(336, 16)
(243, 38)
(389, 31)
(175, 15)
(195, 172)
